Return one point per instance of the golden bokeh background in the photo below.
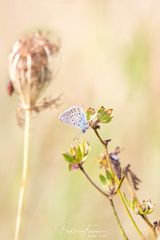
(110, 56)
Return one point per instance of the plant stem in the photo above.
(24, 175)
(91, 181)
(119, 191)
(110, 200)
(144, 217)
(118, 221)
(105, 145)
(129, 214)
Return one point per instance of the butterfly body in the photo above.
(75, 117)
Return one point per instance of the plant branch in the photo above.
(118, 220)
(91, 181)
(144, 217)
(110, 200)
(105, 144)
(129, 214)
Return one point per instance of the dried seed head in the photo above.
(29, 67)
(131, 176)
(10, 88)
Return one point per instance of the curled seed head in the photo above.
(29, 67)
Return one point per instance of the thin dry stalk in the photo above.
(24, 174)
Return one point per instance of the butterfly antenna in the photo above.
(77, 136)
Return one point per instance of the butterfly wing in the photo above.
(83, 123)
(75, 117)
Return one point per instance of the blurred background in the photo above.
(110, 56)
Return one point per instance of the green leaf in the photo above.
(134, 203)
(146, 207)
(90, 113)
(104, 116)
(101, 109)
(79, 154)
(109, 176)
(102, 179)
(148, 211)
(68, 158)
(83, 147)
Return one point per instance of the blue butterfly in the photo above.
(75, 117)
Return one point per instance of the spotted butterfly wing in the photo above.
(75, 117)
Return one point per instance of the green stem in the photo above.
(105, 145)
(24, 175)
(120, 194)
(118, 221)
(110, 200)
(129, 214)
(144, 217)
(91, 181)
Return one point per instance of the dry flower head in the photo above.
(30, 71)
